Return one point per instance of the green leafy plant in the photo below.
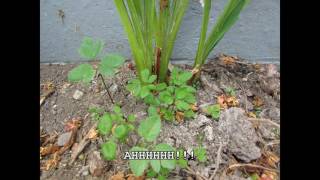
(122, 126)
(214, 111)
(201, 154)
(173, 100)
(151, 31)
(95, 112)
(225, 21)
(230, 91)
(160, 168)
(116, 128)
(91, 49)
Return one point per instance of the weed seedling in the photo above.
(174, 101)
(85, 73)
(214, 111)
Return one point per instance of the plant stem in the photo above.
(105, 86)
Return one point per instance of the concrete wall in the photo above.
(256, 36)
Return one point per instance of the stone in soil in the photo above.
(208, 131)
(64, 138)
(77, 95)
(242, 136)
(273, 113)
(95, 163)
(199, 121)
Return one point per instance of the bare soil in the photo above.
(241, 138)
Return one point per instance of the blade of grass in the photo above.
(172, 26)
(137, 23)
(205, 21)
(224, 22)
(136, 49)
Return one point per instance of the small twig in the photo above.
(105, 86)
(83, 143)
(46, 95)
(50, 139)
(272, 143)
(245, 95)
(218, 159)
(265, 121)
(252, 166)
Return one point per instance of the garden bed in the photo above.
(244, 141)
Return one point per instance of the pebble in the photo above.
(81, 157)
(77, 95)
(85, 173)
(64, 138)
(114, 88)
(209, 133)
(243, 137)
(96, 164)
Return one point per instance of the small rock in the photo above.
(64, 138)
(271, 113)
(66, 85)
(85, 173)
(81, 157)
(95, 163)
(114, 88)
(242, 136)
(244, 100)
(267, 131)
(272, 70)
(77, 94)
(199, 121)
(209, 133)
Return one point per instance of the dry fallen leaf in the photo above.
(48, 150)
(52, 163)
(179, 116)
(133, 177)
(257, 101)
(252, 115)
(118, 176)
(270, 159)
(227, 101)
(257, 67)
(232, 101)
(222, 101)
(194, 108)
(72, 124)
(48, 86)
(228, 60)
(92, 134)
(268, 175)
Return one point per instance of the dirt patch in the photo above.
(241, 137)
